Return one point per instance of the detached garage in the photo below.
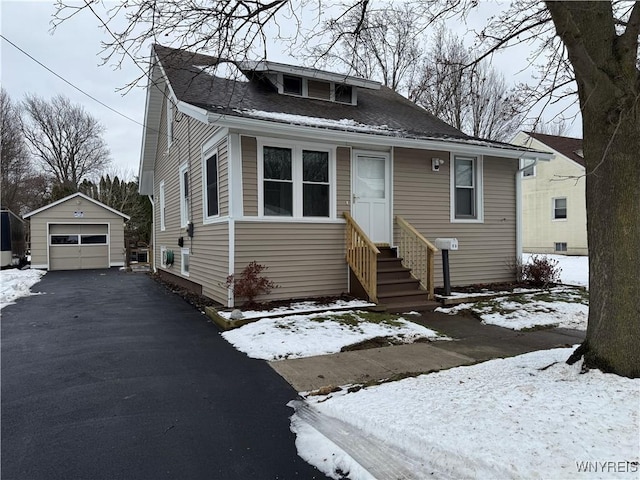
(77, 233)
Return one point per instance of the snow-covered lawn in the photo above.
(531, 416)
(310, 334)
(16, 283)
(564, 307)
(559, 307)
(575, 270)
(299, 307)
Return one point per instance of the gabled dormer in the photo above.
(310, 83)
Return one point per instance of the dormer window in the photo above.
(292, 85)
(344, 94)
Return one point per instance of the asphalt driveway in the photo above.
(106, 375)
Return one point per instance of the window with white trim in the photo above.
(162, 207)
(210, 199)
(296, 181)
(529, 168)
(184, 195)
(560, 246)
(184, 262)
(169, 123)
(466, 187)
(560, 208)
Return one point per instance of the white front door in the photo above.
(371, 195)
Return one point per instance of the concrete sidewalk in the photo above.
(472, 342)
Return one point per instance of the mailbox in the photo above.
(447, 243)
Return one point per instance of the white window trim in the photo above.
(526, 163)
(206, 155)
(296, 175)
(162, 207)
(184, 203)
(183, 252)
(479, 188)
(553, 209)
(169, 123)
(163, 249)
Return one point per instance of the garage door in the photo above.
(76, 247)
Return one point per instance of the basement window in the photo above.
(560, 246)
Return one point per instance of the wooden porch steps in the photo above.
(398, 291)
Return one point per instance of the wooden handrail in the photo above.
(418, 254)
(362, 257)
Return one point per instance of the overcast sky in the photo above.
(73, 52)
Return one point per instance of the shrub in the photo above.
(251, 283)
(541, 271)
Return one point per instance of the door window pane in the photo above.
(64, 239)
(370, 177)
(94, 239)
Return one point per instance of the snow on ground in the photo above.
(560, 307)
(531, 416)
(16, 283)
(307, 335)
(575, 270)
(299, 307)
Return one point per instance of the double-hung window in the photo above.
(560, 208)
(184, 195)
(296, 181)
(210, 187)
(466, 188)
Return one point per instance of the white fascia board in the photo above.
(194, 112)
(266, 66)
(337, 137)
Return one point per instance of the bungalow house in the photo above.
(323, 178)
(554, 211)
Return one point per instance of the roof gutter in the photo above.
(350, 137)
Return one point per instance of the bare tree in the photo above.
(472, 97)
(381, 44)
(66, 140)
(17, 175)
(588, 48)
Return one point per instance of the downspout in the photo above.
(153, 231)
(519, 209)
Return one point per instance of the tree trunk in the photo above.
(612, 150)
(606, 72)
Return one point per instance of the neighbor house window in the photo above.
(529, 168)
(296, 181)
(184, 195)
(560, 246)
(184, 262)
(162, 209)
(560, 208)
(210, 187)
(466, 186)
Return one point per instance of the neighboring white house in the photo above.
(554, 215)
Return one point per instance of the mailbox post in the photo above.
(446, 244)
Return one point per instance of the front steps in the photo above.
(398, 291)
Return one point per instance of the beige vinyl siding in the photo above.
(343, 182)
(209, 246)
(249, 147)
(318, 89)
(422, 197)
(64, 214)
(304, 259)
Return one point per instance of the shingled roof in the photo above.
(568, 146)
(380, 110)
